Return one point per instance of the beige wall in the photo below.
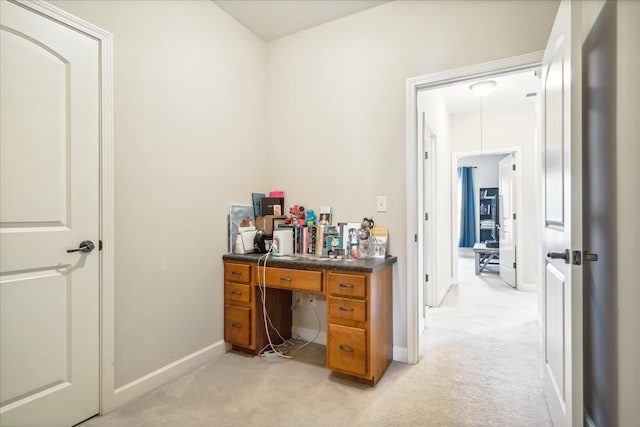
(337, 101)
(189, 110)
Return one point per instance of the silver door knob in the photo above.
(85, 246)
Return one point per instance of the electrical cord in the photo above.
(267, 320)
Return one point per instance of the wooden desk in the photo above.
(484, 255)
(359, 307)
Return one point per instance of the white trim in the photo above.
(528, 287)
(443, 293)
(501, 66)
(400, 354)
(169, 372)
(107, 228)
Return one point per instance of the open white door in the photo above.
(507, 229)
(49, 204)
(562, 292)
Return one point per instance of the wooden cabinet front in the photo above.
(359, 312)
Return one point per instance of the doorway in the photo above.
(430, 105)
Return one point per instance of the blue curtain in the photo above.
(467, 208)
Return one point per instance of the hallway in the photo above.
(484, 339)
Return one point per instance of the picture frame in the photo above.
(241, 218)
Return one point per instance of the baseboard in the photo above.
(443, 292)
(167, 373)
(308, 334)
(528, 287)
(400, 354)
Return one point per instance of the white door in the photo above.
(507, 228)
(49, 202)
(562, 293)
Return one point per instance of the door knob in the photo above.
(86, 246)
(560, 255)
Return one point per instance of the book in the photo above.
(378, 242)
(257, 198)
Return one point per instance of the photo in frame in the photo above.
(241, 218)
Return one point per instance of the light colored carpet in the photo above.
(481, 367)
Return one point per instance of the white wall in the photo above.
(189, 110)
(506, 129)
(485, 175)
(336, 102)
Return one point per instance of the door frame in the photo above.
(518, 185)
(414, 239)
(107, 211)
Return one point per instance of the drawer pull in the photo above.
(346, 349)
(286, 279)
(236, 292)
(236, 325)
(345, 309)
(346, 285)
(236, 273)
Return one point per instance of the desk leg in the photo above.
(477, 255)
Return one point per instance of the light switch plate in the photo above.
(381, 204)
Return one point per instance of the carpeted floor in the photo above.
(481, 367)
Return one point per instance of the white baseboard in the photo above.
(400, 354)
(308, 334)
(161, 376)
(528, 287)
(443, 292)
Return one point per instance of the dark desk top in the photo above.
(368, 265)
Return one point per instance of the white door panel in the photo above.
(562, 295)
(507, 226)
(49, 202)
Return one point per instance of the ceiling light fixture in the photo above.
(481, 89)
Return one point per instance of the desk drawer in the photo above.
(348, 285)
(297, 280)
(235, 272)
(347, 349)
(235, 292)
(347, 309)
(237, 325)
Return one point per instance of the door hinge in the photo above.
(426, 155)
(99, 245)
(426, 216)
(415, 237)
(426, 277)
(514, 216)
(513, 167)
(514, 265)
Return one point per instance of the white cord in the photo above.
(267, 320)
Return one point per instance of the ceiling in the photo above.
(272, 19)
(510, 91)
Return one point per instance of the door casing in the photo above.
(107, 212)
(415, 239)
